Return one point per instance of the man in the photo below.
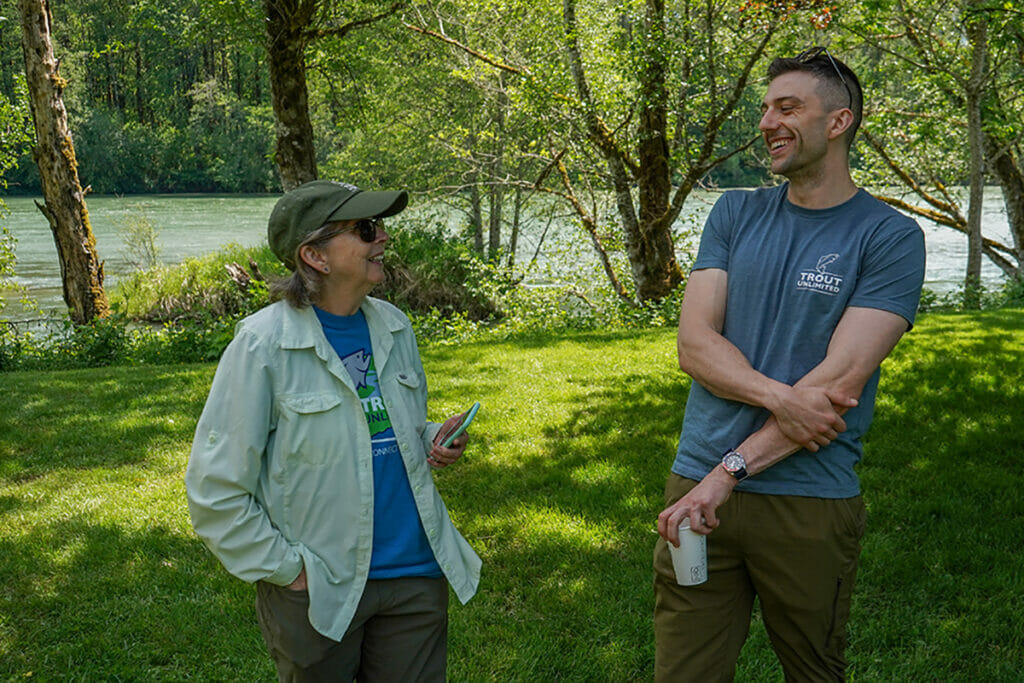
(797, 295)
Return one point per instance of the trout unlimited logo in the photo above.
(819, 279)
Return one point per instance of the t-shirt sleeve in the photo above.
(714, 240)
(892, 272)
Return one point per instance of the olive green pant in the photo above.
(797, 555)
(399, 633)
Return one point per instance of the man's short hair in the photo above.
(838, 86)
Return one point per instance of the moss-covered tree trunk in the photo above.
(54, 153)
(287, 22)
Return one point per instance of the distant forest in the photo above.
(173, 96)
(616, 110)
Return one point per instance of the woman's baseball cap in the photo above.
(302, 210)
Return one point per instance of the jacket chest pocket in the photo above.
(406, 396)
(311, 427)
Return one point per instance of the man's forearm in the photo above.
(862, 340)
(721, 368)
(766, 447)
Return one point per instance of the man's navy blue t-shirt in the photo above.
(792, 272)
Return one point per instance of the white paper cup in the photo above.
(690, 559)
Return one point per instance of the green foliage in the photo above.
(189, 340)
(231, 141)
(558, 492)
(101, 342)
(196, 287)
(115, 340)
(1009, 295)
(14, 138)
(427, 270)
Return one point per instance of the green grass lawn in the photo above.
(101, 577)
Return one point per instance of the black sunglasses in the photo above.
(809, 54)
(367, 228)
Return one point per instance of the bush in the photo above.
(1013, 293)
(1009, 295)
(428, 273)
(105, 341)
(191, 340)
(187, 312)
(198, 288)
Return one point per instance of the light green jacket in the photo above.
(281, 471)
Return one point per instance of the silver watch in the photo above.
(735, 464)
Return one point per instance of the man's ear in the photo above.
(840, 121)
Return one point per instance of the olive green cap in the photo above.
(302, 210)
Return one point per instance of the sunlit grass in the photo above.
(103, 578)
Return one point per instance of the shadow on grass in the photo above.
(942, 476)
(95, 418)
(566, 525)
(122, 604)
(559, 494)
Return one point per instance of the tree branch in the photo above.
(343, 30)
(589, 223)
(947, 208)
(468, 50)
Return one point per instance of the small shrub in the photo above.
(1009, 294)
(190, 340)
(139, 234)
(198, 287)
(1013, 293)
(105, 341)
(428, 273)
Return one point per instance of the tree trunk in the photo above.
(652, 253)
(496, 198)
(513, 238)
(497, 191)
(286, 22)
(1007, 169)
(54, 153)
(977, 34)
(476, 214)
(647, 232)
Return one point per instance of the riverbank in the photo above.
(196, 225)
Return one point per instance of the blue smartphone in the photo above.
(467, 417)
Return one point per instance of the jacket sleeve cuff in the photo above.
(429, 434)
(288, 570)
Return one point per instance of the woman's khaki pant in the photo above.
(399, 633)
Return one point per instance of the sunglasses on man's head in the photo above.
(808, 55)
(367, 228)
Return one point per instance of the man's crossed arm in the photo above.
(805, 415)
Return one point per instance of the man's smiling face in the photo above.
(794, 124)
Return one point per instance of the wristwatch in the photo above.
(735, 464)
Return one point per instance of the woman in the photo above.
(310, 473)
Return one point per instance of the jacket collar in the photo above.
(300, 329)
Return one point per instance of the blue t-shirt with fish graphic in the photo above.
(400, 546)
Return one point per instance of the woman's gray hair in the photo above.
(303, 287)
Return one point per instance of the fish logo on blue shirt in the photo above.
(819, 279)
(357, 365)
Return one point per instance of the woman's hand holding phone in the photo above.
(451, 439)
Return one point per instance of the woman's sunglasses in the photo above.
(367, 228)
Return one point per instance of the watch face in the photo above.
(734, 462)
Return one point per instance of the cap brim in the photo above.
(371, 205)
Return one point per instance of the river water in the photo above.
(194, 225)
